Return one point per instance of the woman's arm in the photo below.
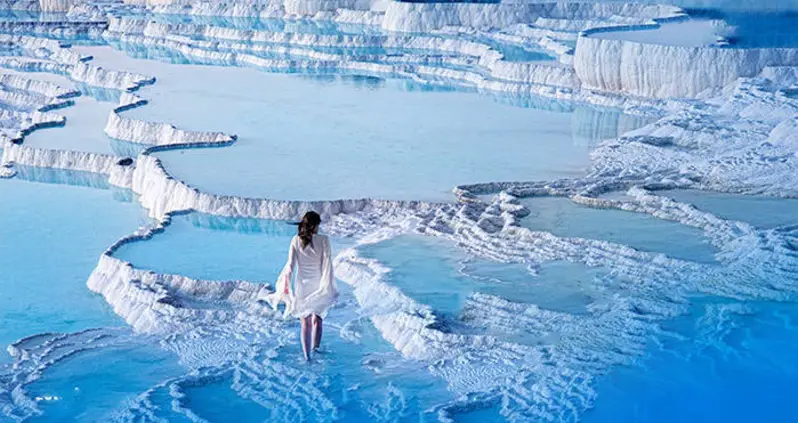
(282, 291)
(288, 270)
(327, 274)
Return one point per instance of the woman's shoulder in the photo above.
(323, 238)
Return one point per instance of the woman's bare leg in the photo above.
(316, 331)
(305, 336)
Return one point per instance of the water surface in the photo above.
(563, 217)
(368, 130)
(53, 236)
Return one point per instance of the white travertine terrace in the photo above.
(663, 71)
(21, 5)
(44, 88)
(59, 159)
(740, 136)
(619, 66)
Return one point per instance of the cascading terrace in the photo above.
(518, 360)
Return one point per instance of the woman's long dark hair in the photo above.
(307, 227)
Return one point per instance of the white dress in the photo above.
(314, 289)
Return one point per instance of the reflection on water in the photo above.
(247, 225)
(515, 52)
(62, 176)
(74, 178)
(592, 125)
(125, 148)
(368, 82)
(106, 95)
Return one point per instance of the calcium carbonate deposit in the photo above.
(540, 211)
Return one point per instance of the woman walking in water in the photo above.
(314, 287)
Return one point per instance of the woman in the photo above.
(314, 287)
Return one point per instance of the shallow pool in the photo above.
(368, 130)
(371, 134)
(215, 248)
(760, 211)
(563, 217)
(435, 274)
(687, 33)
(49, 248)
(83, 131)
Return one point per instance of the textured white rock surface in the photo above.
(741, 139)
(422, 17)
(58, 159)
(657, 70)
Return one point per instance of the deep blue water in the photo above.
(757, 28)
(95, 385)
(727, 362)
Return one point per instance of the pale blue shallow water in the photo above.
(761, 212)
(83, 130)
(434, 273)
(354, 126)
(215, 248)
(563, 217)
(346, 133)
(49, 247)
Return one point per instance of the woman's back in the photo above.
(309, 259)
(314, 286)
